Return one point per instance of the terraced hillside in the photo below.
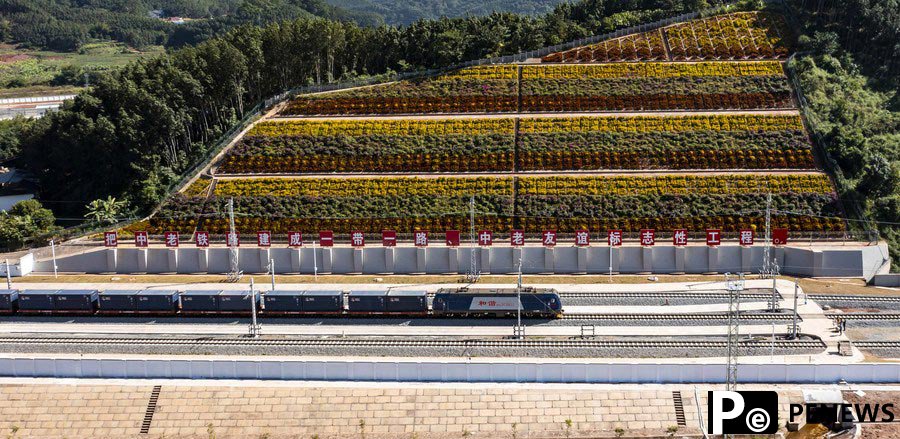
(567, 144)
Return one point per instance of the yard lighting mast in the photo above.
(734, 286)
(234, 274)
(272, 270)
(53, 255)
(769, 265)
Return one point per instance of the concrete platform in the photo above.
(227, 409)
(399, 330)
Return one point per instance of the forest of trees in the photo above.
(65, 25)
(849, 71)
(403, 12)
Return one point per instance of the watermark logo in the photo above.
(743, 412)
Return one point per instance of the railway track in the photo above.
(876, 299)
(756, 316)
(864, 316)
(745, 297)
(406, 343)
(877, 344)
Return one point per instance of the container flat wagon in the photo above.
(407, 302)
(158, 302)
(237, 303)
(8, 301)
(200, 302)
(329, 302)
(36, 301)
(75, 301)
(282, 303)
(114, 302)
(366, 302)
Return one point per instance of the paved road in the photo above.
(774, 112)
(592, 173)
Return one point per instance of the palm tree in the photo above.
(105, 211)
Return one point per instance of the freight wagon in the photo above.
(300, 302)
(462, 302)
(8, 301)
(199, 302)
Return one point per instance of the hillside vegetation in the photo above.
(403, 12)
(62, 25)
(850, 74)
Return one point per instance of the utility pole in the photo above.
(234, 274)
(53, 256)
(255, 328)
(734, 286)
(472, 274)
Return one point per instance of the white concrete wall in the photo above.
(852, 261)
(19, 266)
(886, 280)
(16, 365)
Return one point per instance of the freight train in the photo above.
(447, 302)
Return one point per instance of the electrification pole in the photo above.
(255, 328)
(472, 274)
(520, 330)
(794, 329)
(766, 268)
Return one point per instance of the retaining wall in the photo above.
(443, 371)
(852, 261)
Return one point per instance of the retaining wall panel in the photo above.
(696, 259)
(631, 260)
(566, 260)
(405, 260)
(729, 259)
(189, 260)
(664, 259)
(342, 260)
(374, 260)
(127, 260)
(598, 260)
(437, 260)
(158, 260)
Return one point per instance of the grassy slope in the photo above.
(34, 74)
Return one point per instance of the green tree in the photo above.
(879, 178)
(25, 222)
